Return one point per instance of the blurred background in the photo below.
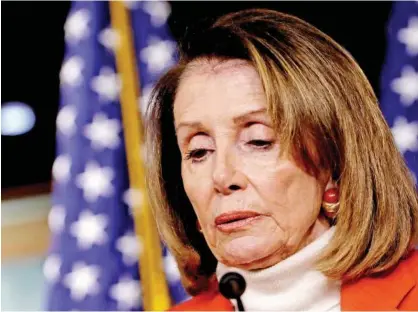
(33, 47)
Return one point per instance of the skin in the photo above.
(234, 165)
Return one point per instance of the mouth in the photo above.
(237, 220)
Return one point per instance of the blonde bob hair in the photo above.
(326, 116)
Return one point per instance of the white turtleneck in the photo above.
(290, 285)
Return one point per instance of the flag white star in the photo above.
(407, 86)
(76, 26)
(71, 71)
(158, 55)
(109, 38)
(405, 134)
(61, 168)
(103, 132)
(145, 98)
(66, 120)
(51, 268)
(82, 280)
(95, 181)
(107, 84)
(127, 293)
(159, 12)
(134, 198)
(171, 269)
(56, 219)
(409, 36)
(89, 229)
(130, 247)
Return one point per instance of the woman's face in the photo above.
(255, 208)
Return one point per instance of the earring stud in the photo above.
(330, 202)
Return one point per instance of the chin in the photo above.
(248, 252)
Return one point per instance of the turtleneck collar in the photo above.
(291, 284)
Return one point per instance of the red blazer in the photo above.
(397, 290)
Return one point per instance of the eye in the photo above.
(260, 143)
(196, 155)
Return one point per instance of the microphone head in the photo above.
(232, 285)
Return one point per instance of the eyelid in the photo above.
(260, 131)
(254, 123)
(185, 141)
(202, 143)
(258, 121)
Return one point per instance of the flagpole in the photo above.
(154, 286)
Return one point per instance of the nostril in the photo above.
(234, 187)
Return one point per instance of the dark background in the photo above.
(33, 48)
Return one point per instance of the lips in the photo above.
(231, 221)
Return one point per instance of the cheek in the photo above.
(275, 187)
(289, 192)
(299, 193)
(197, 190)
(262, 169)
(270, 176)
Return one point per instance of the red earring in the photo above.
(330, 202)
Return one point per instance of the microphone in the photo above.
(232, 286)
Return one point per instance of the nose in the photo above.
(227, 176)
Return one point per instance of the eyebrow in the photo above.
(237, 120)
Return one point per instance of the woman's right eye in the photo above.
(196, 155)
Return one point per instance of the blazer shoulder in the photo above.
(412, 261)
(410, 301)
(396, 289)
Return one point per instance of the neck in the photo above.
(290, 284)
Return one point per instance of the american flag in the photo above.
(399, 83)
(92, 263)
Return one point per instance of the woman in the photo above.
(274, 161)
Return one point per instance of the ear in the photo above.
(330, 184)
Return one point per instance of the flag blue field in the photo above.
(92, 263)
(399, 84)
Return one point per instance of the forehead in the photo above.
(217, 66)
(237, 71)
(213, 82)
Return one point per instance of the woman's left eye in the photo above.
(260, 143)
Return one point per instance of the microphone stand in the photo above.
(240, 305)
